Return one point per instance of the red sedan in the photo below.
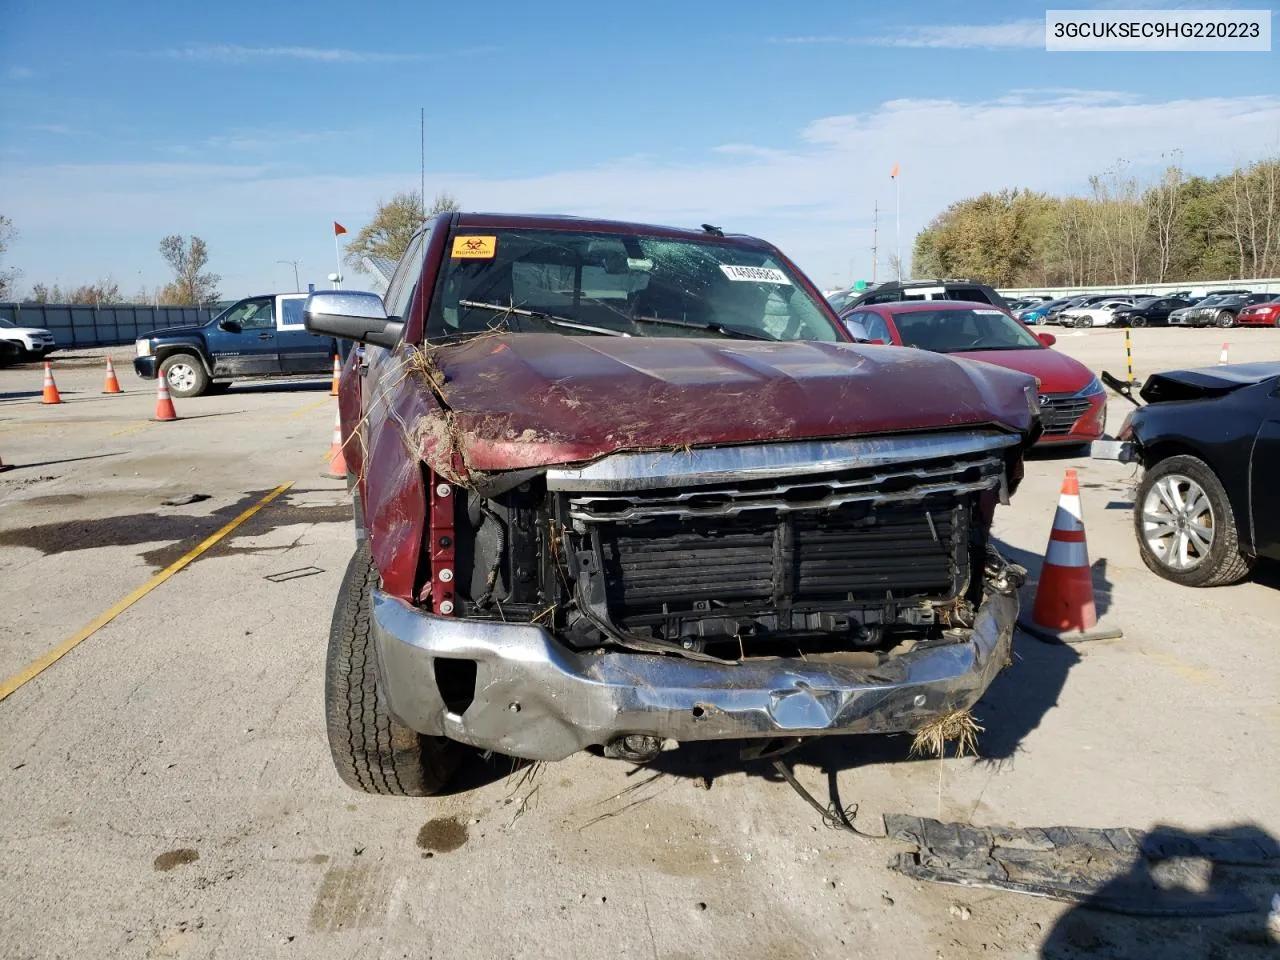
(1265, 314)
(1073, 403)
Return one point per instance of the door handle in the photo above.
(265, 336)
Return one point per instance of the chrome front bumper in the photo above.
(538, 699)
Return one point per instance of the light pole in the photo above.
(294, 263)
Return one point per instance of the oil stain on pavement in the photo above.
(442, 835)
(175, 858)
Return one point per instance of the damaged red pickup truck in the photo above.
(618, 485)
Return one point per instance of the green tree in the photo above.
(393, 225)
(187, 259)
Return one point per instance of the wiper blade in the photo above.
(545, 317)
(734, 332)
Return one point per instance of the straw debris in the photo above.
(956, 725)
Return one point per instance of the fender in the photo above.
(183, 344)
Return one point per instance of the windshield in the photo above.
(950, 331)
(585, 284)
(1212, 301)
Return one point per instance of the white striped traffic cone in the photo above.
(337, 462)
(1223, 356)
(1064, 607)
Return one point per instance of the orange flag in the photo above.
(893, 174)
(339, 228)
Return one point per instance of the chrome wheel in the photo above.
(181, 376)
(1178, 522)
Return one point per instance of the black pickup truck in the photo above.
(254, 337)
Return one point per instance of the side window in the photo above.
(877, 329)
(970, 294)
(399, 293)
(291, 312)
(256, 314)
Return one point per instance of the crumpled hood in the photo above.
(524, 400)
(1056, 372)
(1206, 382)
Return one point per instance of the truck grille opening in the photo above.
(846, 559)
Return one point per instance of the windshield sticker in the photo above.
(755, 274)
(995, 313)
(474, 248)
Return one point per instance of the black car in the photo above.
(1209, 443)
(1152, 311)
(896, 291)
(1225, 309)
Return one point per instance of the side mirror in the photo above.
(230, 326)
(352, 315)
(1048, 339)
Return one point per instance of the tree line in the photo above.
(1174, 228)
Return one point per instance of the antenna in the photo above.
(875, 241)
(422, 176)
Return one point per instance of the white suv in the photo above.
(34, 342)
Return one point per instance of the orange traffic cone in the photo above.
(4, 466)
(51, 394)
(337, 375)
(337, 462)
(164, 402)
(1223, 356)
(1064, 609)
(111, 384)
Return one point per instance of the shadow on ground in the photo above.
(1192, 894)
(181, 531)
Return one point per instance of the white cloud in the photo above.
(812, 196)
(991, 36)
(19, 73)
(235, 53)
(58, 129)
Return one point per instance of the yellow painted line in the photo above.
(309, 407)
(133, 429)
(1183, 669)
(37, 667)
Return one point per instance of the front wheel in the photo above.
(1226, 318)
(185, 375)
(371, 751)
(1185, 525)
(1137, 321)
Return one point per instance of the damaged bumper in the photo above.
(538, 699)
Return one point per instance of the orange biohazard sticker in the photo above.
(474, 248)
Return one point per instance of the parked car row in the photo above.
(1225, 308)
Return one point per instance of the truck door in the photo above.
(243, 342)
(300, 351)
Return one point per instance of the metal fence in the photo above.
(76, 325)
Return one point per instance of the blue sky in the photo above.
(255, 125)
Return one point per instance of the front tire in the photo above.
(1185, 525)
(1226, 319)
(185, 374)
(371, 751)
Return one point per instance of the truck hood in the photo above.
(185, 329)
(8, 332)
(517, 401)
(1205, 382)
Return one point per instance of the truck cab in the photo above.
(262, 336)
